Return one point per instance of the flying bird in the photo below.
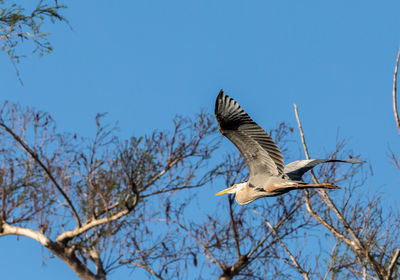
(268, 175)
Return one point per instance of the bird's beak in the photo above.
(228, 190)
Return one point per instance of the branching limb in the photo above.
(7, 229)
(356, 243)
(393, 263)
(233, 226)
(331, 262)
(35, 156)
(64, 253)
(171, 190)
(91, 224)
(292, 258)
(94, 255)
(253, 253)
(303, 140)
(323, 222)
(363, 273)
(162, 172)
(207, 253)
(145, 267)
(144, 264)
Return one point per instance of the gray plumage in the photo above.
(268, 175)
(296, 169)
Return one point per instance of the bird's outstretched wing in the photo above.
(262, 155)
(296, 169)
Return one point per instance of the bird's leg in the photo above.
(301, 186)
(316, 186)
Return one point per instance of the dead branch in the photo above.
(392, 264)
(325, 223)
(145, 267)
(363, 273)
(171, 190)
(209, 255)
(356, 243)
(233, 226)
(396, 114)
(162, 172)
(35, 156)
(303, 140)
(252, 254)
(91, 224)
(292, 258)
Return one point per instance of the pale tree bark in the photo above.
(394, 92)
(394, 157)
(65, 253)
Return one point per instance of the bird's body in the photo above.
(268, 175)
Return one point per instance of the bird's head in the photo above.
(245, 194)
(234, 189)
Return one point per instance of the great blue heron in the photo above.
(268, 175)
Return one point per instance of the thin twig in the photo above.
(354, 271)
(145, 267)
(396, 115)
(293, 259)
(35, 156)
(259, 244)
(171, 190)
(233, 225)
(331, 261)
(303, 140)
(207, 252)
(159, 175)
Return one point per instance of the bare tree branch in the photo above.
(162, 172)
(233, 226)
(170, 190)
(252, 254)
(209, 255)
(293, 259)
(325, 223)
(91, 224)
(356, 243)
(392, 264)
(64, 253)
(396, 114)
(145, 267)
(303, 140)
(7, 229)
(44, 167)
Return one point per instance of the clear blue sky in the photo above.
(143, 62)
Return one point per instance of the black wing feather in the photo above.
(260, 152)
